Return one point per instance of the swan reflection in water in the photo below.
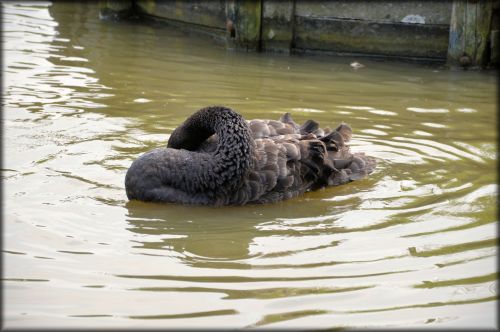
(194, 233)
(199, 235)
(218, 158)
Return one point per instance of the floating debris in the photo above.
(357, 65)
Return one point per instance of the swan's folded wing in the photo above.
(263, 128)
(290, 159)
(286, 166)
(270, 128)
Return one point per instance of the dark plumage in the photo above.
(217, 158)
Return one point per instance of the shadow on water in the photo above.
(223, 233)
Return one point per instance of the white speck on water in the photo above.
(142, 100)
(74, 58)
(433, 125)
(466, 110)
(357, 65)
(374, 132)
(356, 107)
(421, 133)
(427, 110)
(382, 112)
(307, 110)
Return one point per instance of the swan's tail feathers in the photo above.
(344, 130)
(309, 127)
(359, 167)
(354, 168)
(313, 154)
(370, 162)
(333, 141)
(287, 118)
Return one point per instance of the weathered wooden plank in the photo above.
(469, 32)
(373, 38)
(428, 12)
(243, 24)
(495, 35)
(277, 25)
(248, 24)
(211, 14)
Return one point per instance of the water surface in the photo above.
(413, 245)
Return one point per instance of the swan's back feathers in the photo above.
(268, 128)
(314, 158)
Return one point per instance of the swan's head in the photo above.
(201, 125)
(186, 138)
(193, 132)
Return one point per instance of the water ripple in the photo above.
(413, 245)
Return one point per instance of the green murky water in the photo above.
(414, 245)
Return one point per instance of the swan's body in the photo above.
(218, 158)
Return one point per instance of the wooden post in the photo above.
(243, 24)
(277, 25)
(495, 35)
(469, 32)
(115, 9)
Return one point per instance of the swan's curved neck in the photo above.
(233, 156)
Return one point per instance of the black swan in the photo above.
(217, 158)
